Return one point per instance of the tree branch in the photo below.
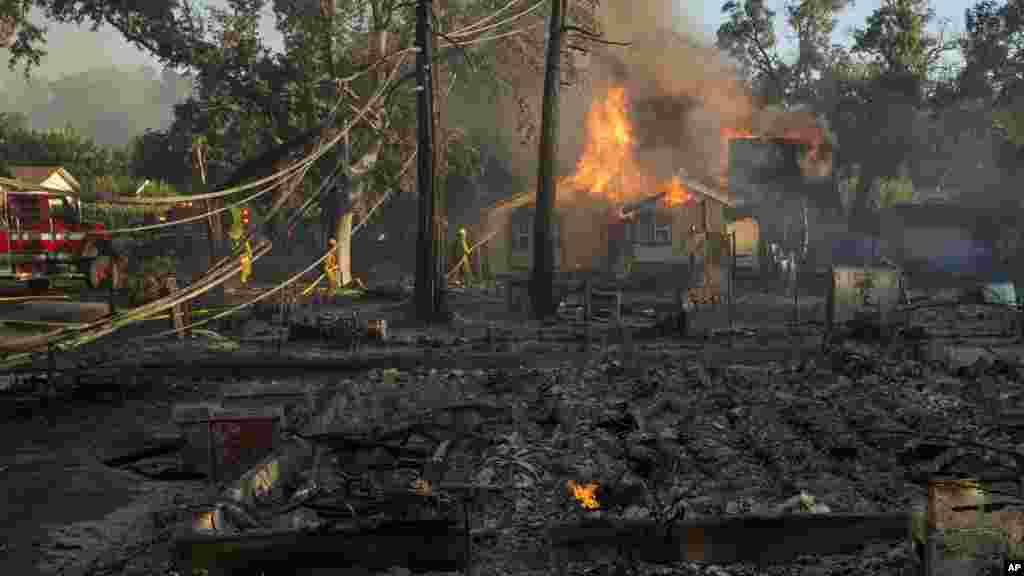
(592, 36)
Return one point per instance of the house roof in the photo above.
(525, 198)
(706, 191)
(39, 174)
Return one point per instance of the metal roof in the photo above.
(22, 186)
(39, 174)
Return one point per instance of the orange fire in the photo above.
(422, 487)
(585, 495)
(608, 169)
(675, 192)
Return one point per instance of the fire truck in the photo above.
(43, 237)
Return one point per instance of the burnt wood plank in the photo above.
(422, 546)
(760, 539)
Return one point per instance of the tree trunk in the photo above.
(344, 249)
(215, 240)
(427, 288)
(543, 252)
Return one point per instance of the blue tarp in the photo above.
(855, 250)
(964, 258)
(955, 258)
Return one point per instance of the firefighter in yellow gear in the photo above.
(237, 233)
(331, 268)
(463, 253)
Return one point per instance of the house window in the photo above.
(522, 236)
(643, 228)
(662, 233)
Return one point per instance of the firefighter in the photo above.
(463, 252)
(237, 233)
(331, 268)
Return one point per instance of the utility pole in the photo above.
(426, 259)
(542, 282)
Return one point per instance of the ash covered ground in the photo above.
(685, 427)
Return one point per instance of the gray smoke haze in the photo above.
(682, 91)
(108, 105)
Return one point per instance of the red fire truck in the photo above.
(43, 237)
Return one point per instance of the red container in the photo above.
(240, 442)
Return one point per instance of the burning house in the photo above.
(611, 214)
(616, 213)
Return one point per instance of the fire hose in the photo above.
(383, 198)
(216, 275)
(94, 330)
(471, 250)
(282, 285)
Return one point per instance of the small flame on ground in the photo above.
(422, 487)
(206, 521)
(585, 495)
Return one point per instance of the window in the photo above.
(662, 233)
(521, 242)
(522, 231)
(643, 228)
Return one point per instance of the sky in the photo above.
(73, 49)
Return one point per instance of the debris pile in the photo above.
(484, 460)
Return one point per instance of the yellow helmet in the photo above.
(462, 231)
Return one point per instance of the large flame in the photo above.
(585, 495)
(608, 169)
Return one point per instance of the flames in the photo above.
(585, 495)
(608, 169)
(675, 192)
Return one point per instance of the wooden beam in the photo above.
(433, 545)
(760, 539)
(695, 186)
(152, 448)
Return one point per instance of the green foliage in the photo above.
(892, 191)
(749, 36)
(115, 216)
(248, 98)
(162, 155)
(993, 52)
(159, 188)
(65, 147)
(1011, 121)
(896, 40)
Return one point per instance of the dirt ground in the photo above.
(747, 425)
(61, 504)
